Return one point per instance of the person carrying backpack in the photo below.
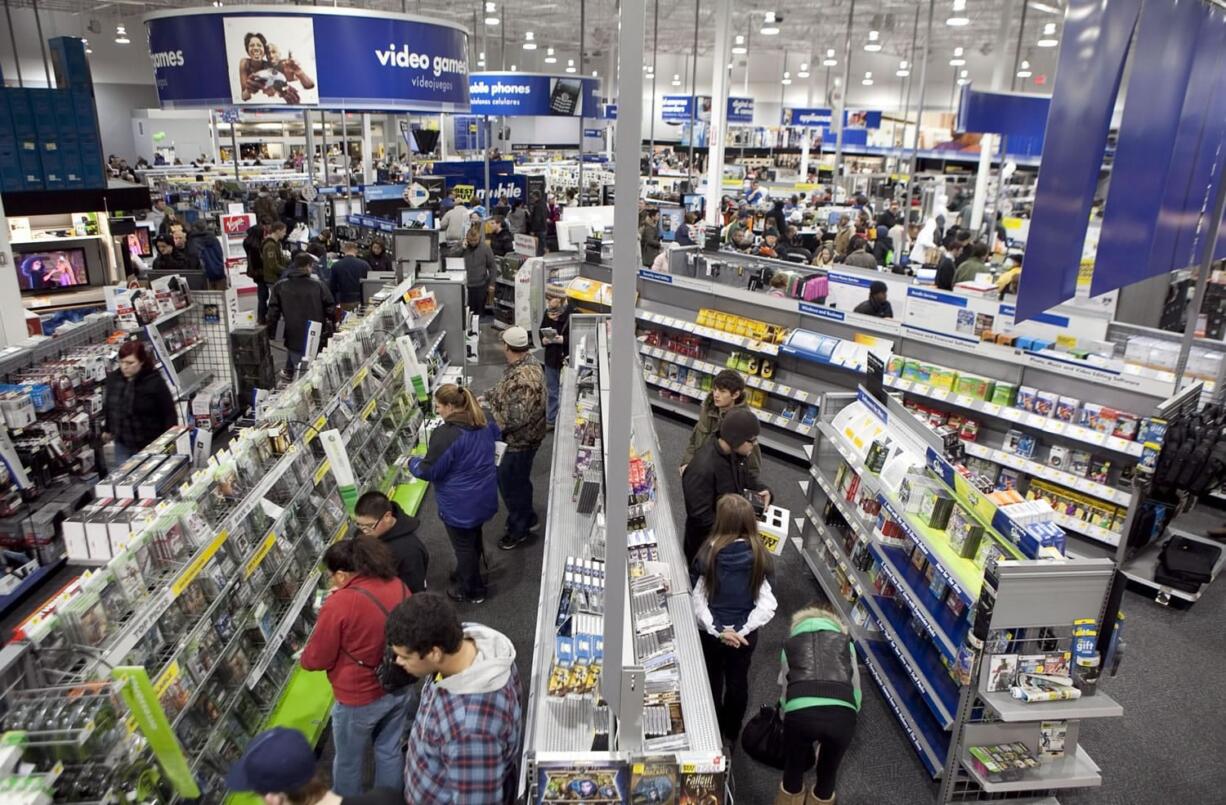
(203, 245)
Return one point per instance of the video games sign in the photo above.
(533, 95)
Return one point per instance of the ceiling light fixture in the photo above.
(570, 65)
(739, 48)
(1048, 39)
(549, 57)
(1023, 70)
(830, 60)
(769, 26)
(957, 60)
(529, 42)
(121, 36)
(787, 78)
(868, 79)
(903, 71)
(957, 17)
(873, 44)
(676, 80)
(962, 78)
(595, 74)
(514, 69)
(804, 71)
(491, 13)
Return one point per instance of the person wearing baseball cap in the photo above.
(518, 403)
(280, 766)
(720, 467)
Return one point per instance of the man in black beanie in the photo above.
(719, 468)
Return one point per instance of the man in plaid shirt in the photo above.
(465, 743)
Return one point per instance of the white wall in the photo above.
(186, 130)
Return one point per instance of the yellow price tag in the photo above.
(316, 427)
(259, 555)
(341, 532)
(360, 376)
(368, 410)
(167, 678)
(202, 559)
(322, 471)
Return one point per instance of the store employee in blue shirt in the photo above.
(755, 194)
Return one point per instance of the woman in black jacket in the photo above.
(377, 258)
(138, 406)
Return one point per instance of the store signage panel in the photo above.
(740, 110)
(610, 111)
(533, 95)
(268, 58)
(823, 117)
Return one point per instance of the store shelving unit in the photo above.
(912, 600)
(565, 729)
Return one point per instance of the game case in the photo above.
(603, 784)
(653, 781)
(702, 788)
(1052, 735)
(1002, 670)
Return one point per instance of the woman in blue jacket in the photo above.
(460, 463)
(732, 600)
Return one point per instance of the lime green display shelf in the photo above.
(305, 706)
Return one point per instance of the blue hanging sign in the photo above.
(610, 111)
(740, 110)
(533, 95)
(277, 57)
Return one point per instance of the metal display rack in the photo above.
(565, 729)
(928, 639)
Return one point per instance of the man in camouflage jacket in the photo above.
(518, 405)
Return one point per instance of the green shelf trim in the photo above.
(410, 495)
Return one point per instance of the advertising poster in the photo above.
(527, 95)
(271, 60)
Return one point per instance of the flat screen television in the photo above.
(139, 243)
(417, 219)
(50, 270)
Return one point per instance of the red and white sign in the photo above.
(237, 224)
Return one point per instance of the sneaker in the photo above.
(510, 542)
(461, 597)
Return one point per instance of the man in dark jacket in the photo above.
(273, 259)
(557, 319)
(204, 246)
(502, 241)
(878, 303)
(538, 222)
(347, 275)
(378, 517)
(169, 258)
(719, 468)
(947, 265)
(300, 298)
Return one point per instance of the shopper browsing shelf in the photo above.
(137, 404)
(518, 403)
(720, 467)
(300, 298)
(279, 765)
(820, 703)
(377, 516)
(346, 278)
(649, 236)
(479, 269)
(727, 394)
(465, 742)
(732, 601)
(348, 643)
(554, 334)
(878, 303)
(460, 463)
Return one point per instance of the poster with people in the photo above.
(271, 61)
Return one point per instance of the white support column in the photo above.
(987, 146)
(442, 136)
(368, 152)
(12, 312)
(719, 108)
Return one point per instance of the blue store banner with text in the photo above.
(1087, 81)
(533, 95)
(291, 57)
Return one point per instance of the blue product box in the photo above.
(19, 112)
(40, 101)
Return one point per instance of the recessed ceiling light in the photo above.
(529, 42)
(803, 72)
(957, 60)
(868, 79)
(514, 69)
(957, 17)
(787, 78)
(1048, 39)
(769, 26)
(903, 70)
(830, 60)
(595, 74)
(570, 65)
(873, 45)
(121, 36)
(549, 57)
(1023, 70)
(739, 48)
(491, 13)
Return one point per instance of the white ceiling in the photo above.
(806, 33)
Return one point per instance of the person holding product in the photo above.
(720, 467)
(137, 404)
(348, 643)
(346, 277)
(820, 704)
(727, 393)
(557, 343)
(466, 740)
(460, 462)
(279, 765)
(877, 303)
(480, 269)
(377, 516)
(518, 403)
(732, 600)
(300, 298)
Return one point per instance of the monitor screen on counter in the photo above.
(49, 270)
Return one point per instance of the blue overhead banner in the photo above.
(285, 56)
(815, 117)
(533, 95)
(679, 108)
(740, 110)
(1020, 117)
(610, 111)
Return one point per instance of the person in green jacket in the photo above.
(973, 265)
(820, 703)
(272, 257)
(727, 392)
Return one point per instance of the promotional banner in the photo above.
(610, 111)
(814, 117)
(533, 95)
(740, 110)
(273, 57)
(677, 109)
(1076, 139)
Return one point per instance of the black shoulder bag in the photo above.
(391, 676)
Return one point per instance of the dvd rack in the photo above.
(568, 721)
(926, 568)
(210, 597)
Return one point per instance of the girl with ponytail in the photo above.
(460, 463)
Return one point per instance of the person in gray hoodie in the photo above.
(480, 268)
(465, 742)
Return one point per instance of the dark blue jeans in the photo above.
(515, 484)
(356, 730)
(261, 296)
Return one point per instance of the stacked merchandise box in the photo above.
(252, 361)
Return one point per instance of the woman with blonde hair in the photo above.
(732, 601)
(460, 463)
(820, 703)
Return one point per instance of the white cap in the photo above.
(516, 337)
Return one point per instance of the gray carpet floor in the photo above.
(1167, 748)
